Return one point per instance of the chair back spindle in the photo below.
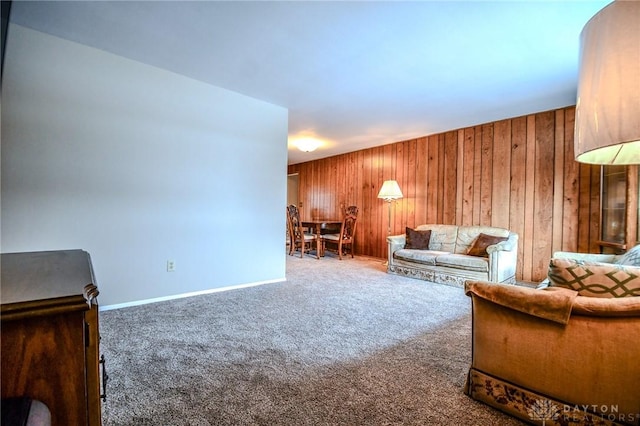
(347, 232)
(298, 238)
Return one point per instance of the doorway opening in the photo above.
(292, 189)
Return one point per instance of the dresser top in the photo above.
(43, 275)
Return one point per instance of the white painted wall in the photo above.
(137, 166)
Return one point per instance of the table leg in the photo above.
(318, 232)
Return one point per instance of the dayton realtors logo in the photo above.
(544, 410)
(604, 412)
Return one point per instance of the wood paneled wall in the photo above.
(517, 173)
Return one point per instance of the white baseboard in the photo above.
(180, 296)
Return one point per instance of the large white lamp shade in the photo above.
(607, 127)
(390, 190)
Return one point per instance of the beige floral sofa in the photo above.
(446, 258)
(565, 353)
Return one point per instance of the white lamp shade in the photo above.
(390, 191)
(607, 127)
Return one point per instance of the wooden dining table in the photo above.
(318, 225)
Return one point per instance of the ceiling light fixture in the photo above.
(607, 127)
(307, 144)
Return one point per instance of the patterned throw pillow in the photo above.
(417, 239)
(595, 279)
(479, 246)
(632, 257)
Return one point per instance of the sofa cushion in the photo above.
(418, 240)
(632, 257)
(424, 257)
(595, 279)
(463, 261)
(443, 237)
(479, 246)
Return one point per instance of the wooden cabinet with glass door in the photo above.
(619, 203)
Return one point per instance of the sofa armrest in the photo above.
(503, 259)
(394, 243)
(511, 244)
(397, 240)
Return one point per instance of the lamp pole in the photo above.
(389, 200)
(390, 191)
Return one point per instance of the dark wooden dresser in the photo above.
(50, 338)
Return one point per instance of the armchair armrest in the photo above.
(590, 257)
(607, 307)
(554, 305)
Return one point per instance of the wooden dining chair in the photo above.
(297, 237)
(347, 233)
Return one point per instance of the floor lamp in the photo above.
(607, 124)
(389, 192)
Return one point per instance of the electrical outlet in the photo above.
(171, 265)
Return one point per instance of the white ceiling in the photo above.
(355, 74)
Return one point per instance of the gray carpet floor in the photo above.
(338, 343)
